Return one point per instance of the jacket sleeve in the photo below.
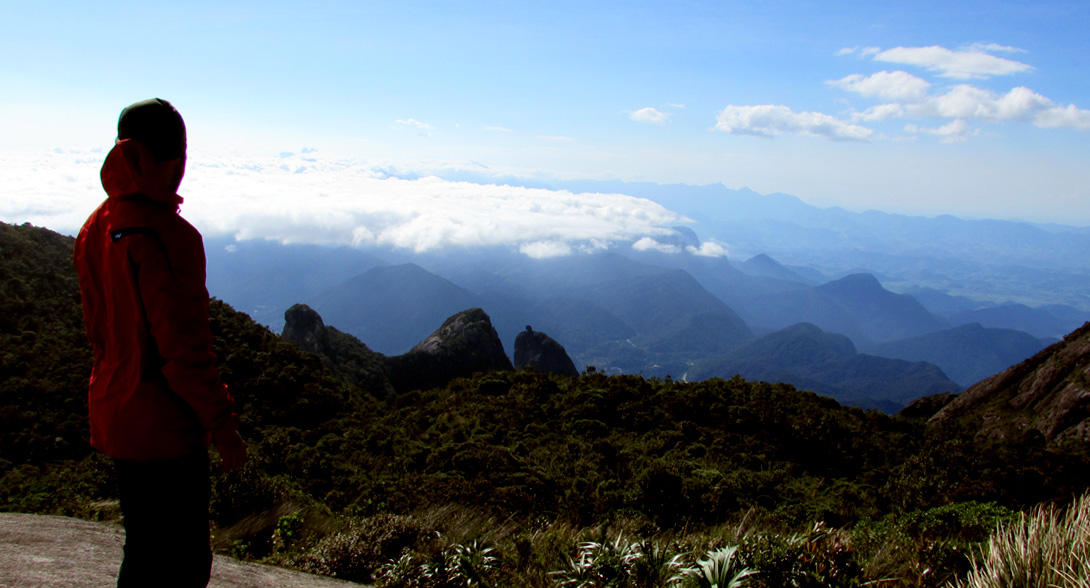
(171, 280)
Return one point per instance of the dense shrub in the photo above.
(356, 552)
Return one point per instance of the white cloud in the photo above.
(708, 249)
(1061, 116)
(772, 121)
(649, 244)
(906, 96)
(1022, 104)
(411, 122)
(545, 249)
(993, 47)
(880, 112)
(498, 129)
(897, 85)
(861, 51)
(649, 115)
(337, 201)
(973, 62)
(954, 132)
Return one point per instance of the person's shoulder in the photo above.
(170, 224)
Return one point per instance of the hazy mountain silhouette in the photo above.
(967, 353)
(1035, 321)
(987, 259)
(393, 308)
(764, 266)
(857, 306)
(828, 363)
(264, 278)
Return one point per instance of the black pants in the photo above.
(165, 507)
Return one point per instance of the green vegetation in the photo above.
(529, 479)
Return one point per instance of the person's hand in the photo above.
(233, 451)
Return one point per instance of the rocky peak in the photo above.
(304, 327)
(1049, 393)
(542, 353)
(466, 343)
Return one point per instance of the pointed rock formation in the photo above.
(542, 353)
(347, 357)
(465, 344)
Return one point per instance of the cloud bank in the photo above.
(314, 199)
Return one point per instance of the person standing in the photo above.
(155, 398)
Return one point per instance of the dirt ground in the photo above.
(59, 552)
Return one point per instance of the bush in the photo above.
(355, 553)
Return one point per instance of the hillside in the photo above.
(828, 364)
(1047, 395)
(967, 354)
(534, 464)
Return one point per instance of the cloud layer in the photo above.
(309, 199)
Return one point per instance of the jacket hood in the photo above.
(130, 168)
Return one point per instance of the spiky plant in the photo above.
(403, 572)
(718, 569)
(471, 564)
(650, 565)
(578, 573)
(1039, 550)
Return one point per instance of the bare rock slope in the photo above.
(60, 552)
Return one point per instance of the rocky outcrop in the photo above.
(59, 551)
(1049, 393)
(465, 344)
(347, 357)
(542, 353)
(304, 327)
(925, 407)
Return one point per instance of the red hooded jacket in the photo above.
(155, 392)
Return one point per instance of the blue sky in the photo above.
(977, 109)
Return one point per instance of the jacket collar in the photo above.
(131, 169)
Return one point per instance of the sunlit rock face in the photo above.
(1046, 395)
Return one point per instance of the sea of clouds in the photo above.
(310, 198)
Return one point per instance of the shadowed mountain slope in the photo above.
(857, 306)
(465, 344)
(967, 354)
(1047, 394)
(828, 364)
(542, 353)
(393, 308)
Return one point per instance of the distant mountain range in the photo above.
(685, 316)
(990, 261)
(945, 291)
